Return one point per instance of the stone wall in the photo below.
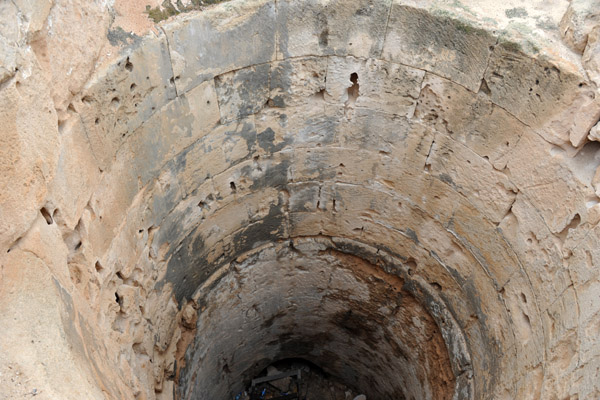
(409, 186)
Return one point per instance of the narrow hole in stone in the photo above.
(353, 90)
(98, 266)
(320, 95)
(527, 320)
(232, 186)
(323, 38)
(115, 102)
(484, 88)
(128, 65)
(46, 216)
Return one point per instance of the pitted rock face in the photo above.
(404, 195)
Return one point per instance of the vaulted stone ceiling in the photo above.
(402, 193)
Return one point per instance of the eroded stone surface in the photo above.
(413, 182)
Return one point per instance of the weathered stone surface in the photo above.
(554, 192)
(121, 97)
(34, 15)
(171, 130)
(321, 28)
(531, 90)
(77, 173)
(537, 250)
(492, 192)
(28, 152)
(68, 57)
(384, 86)
(591, 56)
(37, 297)
(577, 22)
(243, 92)
(297, 81)
(220, 40)
(595, 132)
(278, 129)
(471, 119)
(444, 46)
(266, 179)
(8, 40)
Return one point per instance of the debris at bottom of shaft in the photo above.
(242, 396)
(285, 385)
(360, 397)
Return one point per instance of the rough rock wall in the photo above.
(459, 140)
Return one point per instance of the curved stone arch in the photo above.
(264, 71)
(364, 120)
(426, 294)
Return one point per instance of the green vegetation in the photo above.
(517, 12)
(167, 9)
(466, 28)
(510, 46)
(461, 25)
(160, 13)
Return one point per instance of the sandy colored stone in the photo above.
(119, 98)
(442, 45)
(591, 55)
(328, 31)
(183, 204)
(77, 173)
(67, 57)
(532, 90)
(387, 87)
(242, 35)
(295, 82)
(29, 152)
(577, 22)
